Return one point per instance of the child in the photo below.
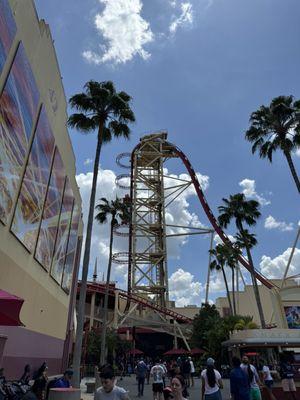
(109, 390)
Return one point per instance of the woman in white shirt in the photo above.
(268, 381)
(211, 382)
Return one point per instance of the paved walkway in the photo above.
(129, 383)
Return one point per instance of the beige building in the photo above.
(281, 307)
(276, 302)
(40, 204)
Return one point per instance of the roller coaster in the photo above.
(147, 231)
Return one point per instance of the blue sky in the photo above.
(197, 68)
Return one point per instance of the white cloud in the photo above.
(297, 152)
(177, 213)
(274, 268)
(124, 30)
(271, 223)
(184, 19)
(249, 190)
(218, 240)
(184, 289)
(88, 161)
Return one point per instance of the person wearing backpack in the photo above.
(141, 373)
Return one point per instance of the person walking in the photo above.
(253, 377)
(267, 379)
(239, 382)
(211, 382)
(186, 371)
(157, 372)
(287, 372)
(192, 371)
(108, 389)
(141, 373)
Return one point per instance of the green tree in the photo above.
(276, 127)
(207, 319)
(117, 211)
(243, 211)
(221, 256)
(103, 110)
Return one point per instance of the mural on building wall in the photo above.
(62, 234)
(292, 315)
(18, 108)
(33, 190)
(7, 31)
(71, 250)
(48, 230)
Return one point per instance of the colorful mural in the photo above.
(49, 225)
(7, 31)
(62, 234)
(292, 315)
(18, 108)
(33, 190)
(71, 251)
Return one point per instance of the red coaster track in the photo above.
(96, 287)
(174, 151)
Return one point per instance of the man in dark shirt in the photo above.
(239, 382)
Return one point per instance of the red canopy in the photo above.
(135, 352)
(197, 351)
(176, 352)
(10, 307)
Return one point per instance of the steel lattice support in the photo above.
(148, 230)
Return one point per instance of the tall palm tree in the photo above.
(276, 127)
(107, 112)
(116, 210)
(243, 211)
(221, 256)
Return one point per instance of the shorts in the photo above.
(213, 396)
(288, 385)
(157, 387)
(255, 394)
(269, 383)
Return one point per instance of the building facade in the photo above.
(40, 204)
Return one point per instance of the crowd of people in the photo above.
(172, 380)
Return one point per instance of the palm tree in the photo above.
(276, 127)
(243, 211)
(221, 256)
(116, 209)
(107, 112)
(245, 323)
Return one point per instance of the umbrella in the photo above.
(135, 352)
(197, 351)
(10, 307)
(176, 352)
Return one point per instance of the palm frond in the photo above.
(119, 129)
(81, 102)
(81, 122)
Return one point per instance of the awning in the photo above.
(176, 352)
(10, 307)
(197, 351)
(135, 352)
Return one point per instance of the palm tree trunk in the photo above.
(104, 322)
(254, 282)
(227, 291)
(233, 291)
(85, 267)
(293, 170)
